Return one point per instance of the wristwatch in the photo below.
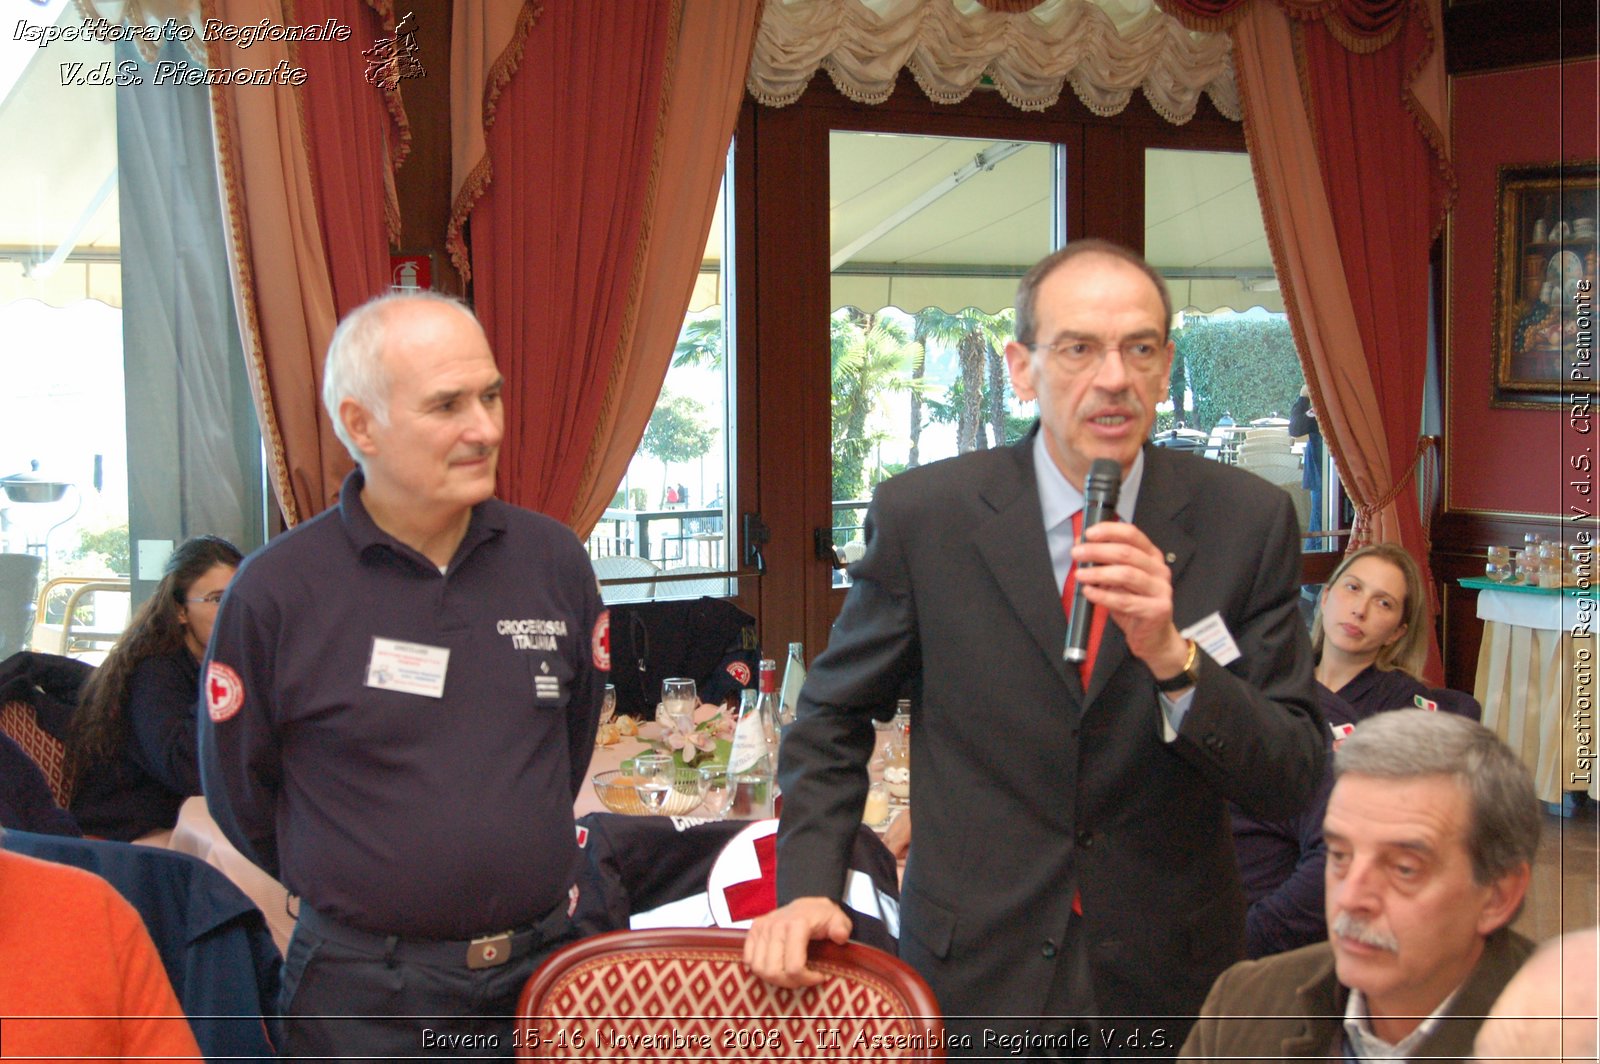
(1188, 677)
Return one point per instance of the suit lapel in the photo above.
(1162, 499)
(1321, 1001)
(1011, 543)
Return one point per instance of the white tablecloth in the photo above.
(1536, 683)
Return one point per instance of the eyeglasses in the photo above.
(213, 599)
(1076, 354)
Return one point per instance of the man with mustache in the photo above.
(402, 696)
(1072, 855)
(1431, 829)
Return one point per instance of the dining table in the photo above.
(197, 832)
(1535, 680)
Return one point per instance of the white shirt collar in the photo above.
(1059, 500)
(1367, 1046)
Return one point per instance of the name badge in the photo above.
(412, 668)
(1214, 638)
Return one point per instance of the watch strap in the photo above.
(1188, 676)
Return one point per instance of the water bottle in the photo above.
(794, 677)
(753, 762)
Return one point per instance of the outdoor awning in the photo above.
(59, 235)
(923, 221)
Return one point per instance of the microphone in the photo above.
(1100, 490)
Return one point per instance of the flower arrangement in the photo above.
(709, 737)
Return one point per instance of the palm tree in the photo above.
(700, 343)
(977, 338)
(1003, 327)
(870, 355)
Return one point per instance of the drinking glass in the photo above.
(608, 706)
(653, 776)
(716, 790)
(679, 698)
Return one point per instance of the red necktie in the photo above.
(1098, 625)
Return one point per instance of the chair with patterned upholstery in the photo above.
(685, 994)
(19, 723)
(38, 695)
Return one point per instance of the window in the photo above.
(668, 531)
(126, 386)
(1235, 375)
(929, 237)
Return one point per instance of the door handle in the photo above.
(822, 545)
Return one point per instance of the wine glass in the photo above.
(716, 790)
(680, 698)
(653, 776)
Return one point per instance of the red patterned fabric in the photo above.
(686, 995)
(18, 721)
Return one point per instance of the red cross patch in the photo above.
(600, 641)
(739, 671)
(224, 692)
(743, 881)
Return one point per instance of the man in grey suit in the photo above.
(1072, 856)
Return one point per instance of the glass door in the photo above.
(928, 236)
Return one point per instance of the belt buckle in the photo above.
(490, 951)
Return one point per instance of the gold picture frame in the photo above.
(1546, 250)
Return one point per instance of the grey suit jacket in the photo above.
(1292, 1005)
(1026, 788)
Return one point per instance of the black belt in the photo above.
(485, 951)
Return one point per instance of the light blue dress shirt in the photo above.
(1059, 501)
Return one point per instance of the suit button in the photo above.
(1216, 742)
(1048, 950)
(1086, 839)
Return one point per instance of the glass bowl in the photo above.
(618, 794)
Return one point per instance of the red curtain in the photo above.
(1360, 67)
(306, 178)
(1387, 188)
(357, 137)
(557, 236)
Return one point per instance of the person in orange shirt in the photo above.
(79, 976)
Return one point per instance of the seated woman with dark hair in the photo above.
(1370, 637)
(132, 747)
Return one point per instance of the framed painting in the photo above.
(1545, 256)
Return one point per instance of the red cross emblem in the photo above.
(743, 883)
(224, 692)
(600, 641)
(756, 897)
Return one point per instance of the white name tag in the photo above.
(1213, 636)
(413, 668)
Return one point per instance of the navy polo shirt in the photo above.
(399, 813)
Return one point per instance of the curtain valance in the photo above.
(1105, 49)
(1360, 25)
